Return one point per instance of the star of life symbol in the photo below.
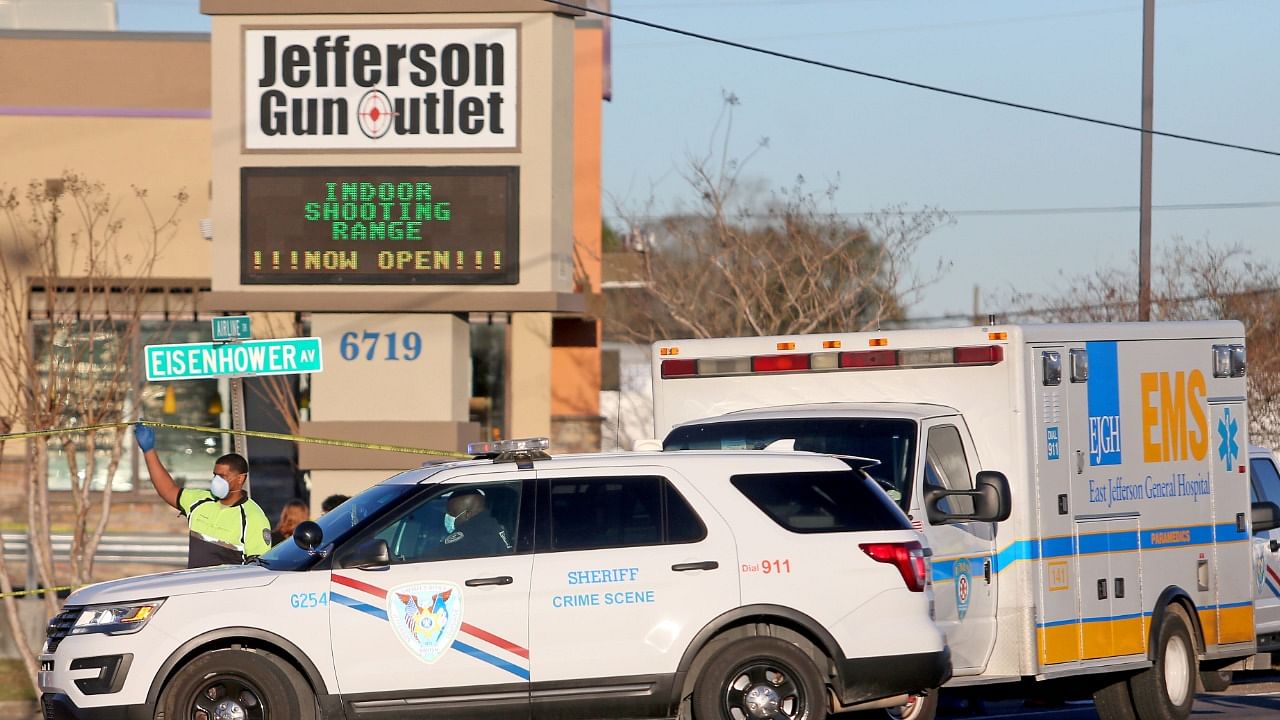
(1228, 447)
(964, 584)
(425, 617)
(374, 114)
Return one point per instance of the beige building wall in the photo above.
(135, 110)
(68, 110)
(128, 111)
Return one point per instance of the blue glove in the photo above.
(145, 436)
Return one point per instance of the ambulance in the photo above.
(1083, 488)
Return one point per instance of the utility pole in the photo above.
(1144, 182)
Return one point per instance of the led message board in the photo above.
(379, 226)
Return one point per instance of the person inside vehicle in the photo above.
(226, 527)
(332, 502)
(470, 531)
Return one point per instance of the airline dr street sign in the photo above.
(193, 361)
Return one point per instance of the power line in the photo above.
(911, 83)
(734, 4)
(1092, 210)
(961, 25)
(1076, 210)
(1115, 304)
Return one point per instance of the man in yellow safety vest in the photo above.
(226, 526)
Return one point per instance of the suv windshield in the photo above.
(338, 523)
(891, 441)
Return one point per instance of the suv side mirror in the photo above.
(308, 535)
(369, 554)
(990, 500)
(1264, 516)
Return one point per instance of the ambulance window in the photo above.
(945, 467)
(612, 512)
(1267, 481)
(889, 440)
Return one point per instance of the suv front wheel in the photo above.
(238, 683)
(760, 677)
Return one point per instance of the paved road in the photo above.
(1253, 696)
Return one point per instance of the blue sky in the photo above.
(1215, 76)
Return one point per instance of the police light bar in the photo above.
(882, 357)
(509, 446)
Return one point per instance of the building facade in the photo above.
(141, 112)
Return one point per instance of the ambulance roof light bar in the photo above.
(882, 357)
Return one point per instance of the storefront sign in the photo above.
(426, 88)
(376, 226)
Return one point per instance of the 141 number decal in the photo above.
(369, 345)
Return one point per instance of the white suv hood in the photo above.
(181, 582)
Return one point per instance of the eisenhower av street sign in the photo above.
(192, 361)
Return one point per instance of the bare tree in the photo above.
(743, 261)
(1191, 281)
(279, 392)
(74, 289)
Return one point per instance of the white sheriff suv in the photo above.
(713, 585)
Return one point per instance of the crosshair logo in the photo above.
(374, 114)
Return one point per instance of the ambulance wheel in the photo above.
(1114, 701)
(757, 678)
(1166, 690)
(1215, 680)
(240, 684)
(917, 707)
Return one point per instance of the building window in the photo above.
(85, 379)
(91, 372)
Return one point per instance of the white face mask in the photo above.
(219, 487)
(450, 522)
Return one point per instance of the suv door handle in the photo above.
(500, 580)
(704, 565)
(1275, 545)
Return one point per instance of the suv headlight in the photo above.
(115, 619)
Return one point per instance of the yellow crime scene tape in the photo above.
(40, 591)
(357, 445)
(218, 431)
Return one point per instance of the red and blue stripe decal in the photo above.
(475, 649)
(1272, 580)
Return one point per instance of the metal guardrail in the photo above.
(140, 549)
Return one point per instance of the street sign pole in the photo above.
(231, 330)
(238, 418)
